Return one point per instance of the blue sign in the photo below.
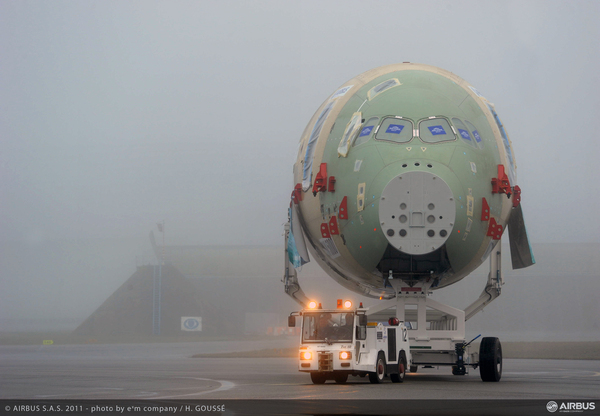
(435, 130)
(464, 134)
(394, 128)
(366, 131)
(191, 323)
(477, 136)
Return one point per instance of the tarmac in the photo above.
(158, 372)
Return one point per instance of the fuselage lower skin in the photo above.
(404, 172)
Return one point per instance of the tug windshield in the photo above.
(330, 326)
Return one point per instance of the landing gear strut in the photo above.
(460, 348)
(459, 369)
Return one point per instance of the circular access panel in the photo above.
(426, 204)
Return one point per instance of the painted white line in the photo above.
(225, 385)
(93, 390)
(145, 394)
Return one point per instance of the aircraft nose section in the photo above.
(417, 212)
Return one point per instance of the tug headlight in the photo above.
(306, 355)
(345, 355)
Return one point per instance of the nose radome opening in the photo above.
(417, 212)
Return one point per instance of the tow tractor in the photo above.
(337, 343)
(421, 333)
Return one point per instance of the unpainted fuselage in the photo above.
(412, 150)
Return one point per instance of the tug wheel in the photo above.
(317, 378)
(378, 375)
(399, 378)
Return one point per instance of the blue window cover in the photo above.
(394, 128)
(475, 133)
(366, 131)
(435, 130)
(465, 134)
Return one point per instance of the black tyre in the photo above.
(341, 378)
(490, 359)
(379, 374)
(318, 378)
(459, 371)
(399, 378)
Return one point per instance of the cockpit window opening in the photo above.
(464, 133)
(436, 130)
(395, 129)
(475, 134)
(366, 132)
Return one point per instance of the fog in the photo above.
(118, 115)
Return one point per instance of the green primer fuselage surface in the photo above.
(467, 167)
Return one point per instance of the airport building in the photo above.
(215, 290)
(238, 290)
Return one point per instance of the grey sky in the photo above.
(116, 115)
